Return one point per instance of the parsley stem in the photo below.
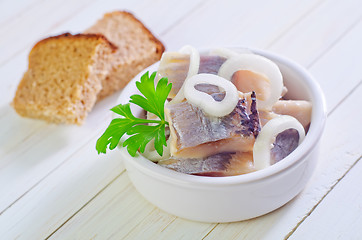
(140, 120)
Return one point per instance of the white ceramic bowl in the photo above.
(235, 198)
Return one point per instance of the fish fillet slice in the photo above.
(218, 165)
(195, 135)
(175, 66)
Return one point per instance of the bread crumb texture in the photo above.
(64, 76)
(137, 49)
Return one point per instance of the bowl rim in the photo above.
(319, 114)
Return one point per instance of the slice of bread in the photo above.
(137, 48)
(64, 76)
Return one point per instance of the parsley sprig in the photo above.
(153, 100)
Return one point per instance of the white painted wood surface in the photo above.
(54, 185)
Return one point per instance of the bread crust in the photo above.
(99, 36)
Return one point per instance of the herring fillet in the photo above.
(196, 135)
(218, 165)
(285, 143)
(175, 66)
(210, 64)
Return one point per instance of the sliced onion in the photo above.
(260, 65)
(264, 142)
(206, 101)
(228, 53)
(194, 59)
(193, 70)
(151, 154)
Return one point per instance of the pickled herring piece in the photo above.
(196, 135)
(285, 143)
(210, 64)
(218, 165)
(300, 109)
(267, 137)
(175, 67)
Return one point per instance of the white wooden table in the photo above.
(54, 185)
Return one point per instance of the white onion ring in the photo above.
(193, 70)
(151, 154)
(205, 101)
(264, 142)
(228, 53)
(257, 64)
(194, 59)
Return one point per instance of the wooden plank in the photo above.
(10, 10)
(49, 204)
(319, 31)
(126, 214)
(151, 13)
(247, 23)
(116, 210)
(338, 216)
(338, 70)
(346, 146)
(32, 24)
(32, 157)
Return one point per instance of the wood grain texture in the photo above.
(338, 71)
(11, 10)
(52, 180)
(339, 216)
(320, 30)
(52, 202)
(33, 23)
(237, 23)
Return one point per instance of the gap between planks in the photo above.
(207, 234)
(21, 12)
(340, 37)
(345, 97)
(53, 170)
(298, 20)
(179, 20)
(315, 206)
(339, 179)
(86, 204)
(46, 32)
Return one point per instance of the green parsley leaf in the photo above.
(153, 100)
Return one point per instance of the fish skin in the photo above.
(175, 67)
(218, 165)
(285, 143)
(299, 109)
(196, 135)
(210, 64)
(212, 90)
